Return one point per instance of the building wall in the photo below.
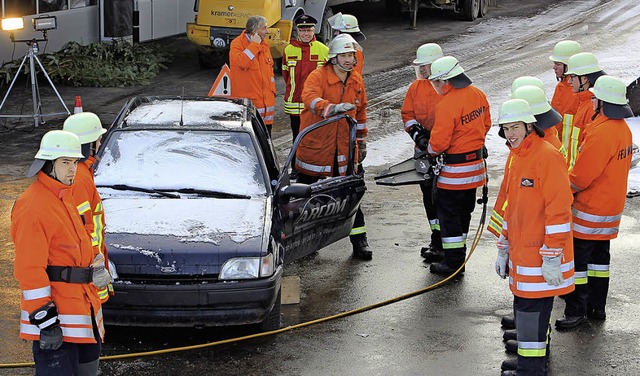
(158, 19)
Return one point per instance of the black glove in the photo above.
(51, 337)
(420, 136)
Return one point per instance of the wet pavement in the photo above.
(453, 330)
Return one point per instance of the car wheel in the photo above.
(272, 322)
(484, 5)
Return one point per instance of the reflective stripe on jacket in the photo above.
(319, 149)
(538, 218)
(566, 103)
(85, 191)
(599, 179)
(298, 61)
(462, 120)
(47, 230)
(419, 105)
(581, 122)
(252, 77)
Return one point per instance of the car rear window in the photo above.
(223, 161)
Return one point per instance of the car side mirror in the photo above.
(295, 190)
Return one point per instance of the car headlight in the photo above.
(247, 268)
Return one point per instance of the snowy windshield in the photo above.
(222, 161)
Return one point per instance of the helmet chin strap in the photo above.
(355, 61)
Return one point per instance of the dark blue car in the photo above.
(201, 218)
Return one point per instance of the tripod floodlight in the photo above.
(42, 24)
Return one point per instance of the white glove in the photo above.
(339, 108)
(551, 270)
(101, 276)
(502, 261)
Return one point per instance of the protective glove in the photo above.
(420, 136)
(101, 276)
(340, 108)
(51, 337)
(551, 270)
(502, 261)
(362, 150)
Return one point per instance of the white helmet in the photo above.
(445, 68)
(345, 23)
(427, 54)
(563, 50)
(546, 116)
(515, 110)
(55, 144)
(85, 125)
(612, 91)
(524, 81)
(342, 43)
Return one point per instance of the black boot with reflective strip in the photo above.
(432, 254)
(361, 247)
(508, 322)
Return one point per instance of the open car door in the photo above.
(310, 217)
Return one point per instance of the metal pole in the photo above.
(34, 84)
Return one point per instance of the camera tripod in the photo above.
(32, 57)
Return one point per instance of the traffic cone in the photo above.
(78, 106)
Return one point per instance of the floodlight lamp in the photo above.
(45, 23)
(10, 24)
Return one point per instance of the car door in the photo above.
(310, 217)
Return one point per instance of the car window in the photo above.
(223, 161)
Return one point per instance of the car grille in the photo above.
(141, 279)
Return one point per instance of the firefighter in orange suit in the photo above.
(564, 100)
(535, 248)
(599, 184)
(347, 23)
(88, 128)
(330, 90)
(56, 267)
(546, 119)
(251, 67)
(418, 111)
(583, 71)
(462, 121)
(302, 56)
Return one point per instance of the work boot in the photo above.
(510, 364)
(570, 322)
(509, 334)
(361, 247)
(293, 175)
(511, 346)
(432, 254)
(508, 322)
(443, 268)
(510, 372)
(596, 314)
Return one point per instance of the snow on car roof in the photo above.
(167, 112)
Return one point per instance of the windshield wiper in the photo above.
(123, 187)
(207, 193)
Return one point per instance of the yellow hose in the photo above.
(476, 239)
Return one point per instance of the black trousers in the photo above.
(454, 214)
(432, 214)
(295, 130)
(592, 259)
(532, 322)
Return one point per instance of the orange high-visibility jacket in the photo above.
(419, 105)
(359, 61)
(462, 120)
(320, 148)
(298, 60)
(47, 230)
(537, 221)
(599, 179)
(89, 205)
(581, 121)
(497, 217)
(566, 103)
(252, 77)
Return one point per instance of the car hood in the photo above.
(182, 236)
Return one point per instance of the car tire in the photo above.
(470, 9)
(484, 5)
(272, 322)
